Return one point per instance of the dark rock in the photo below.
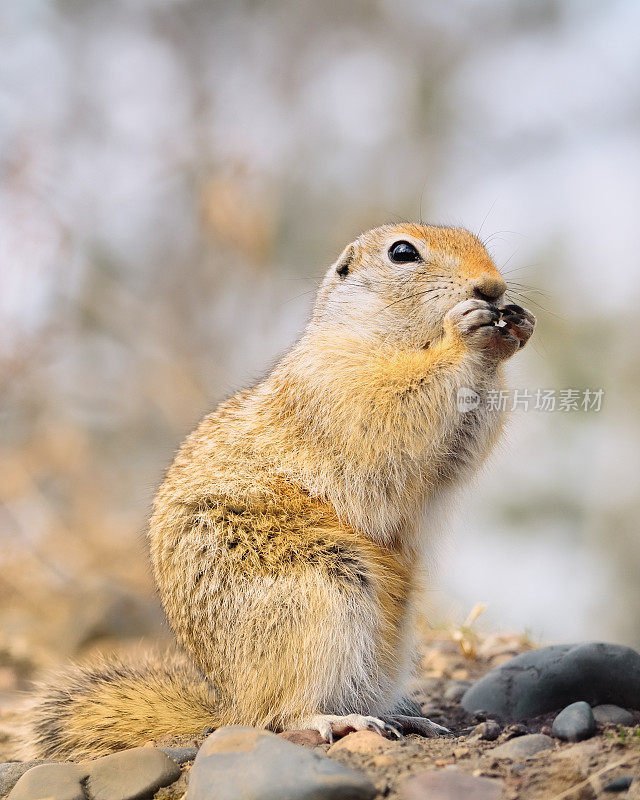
(180, 754)
(545, 680)
(11, 771)
(575, 722)
(511, 731)
(450, 785)
(607, 714)
(255, 764)
(620, 784)
(51, 781)
(134, 774)
(522, 747)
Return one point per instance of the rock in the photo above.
(180, 754)
(545, 680)
(305, 738)
(607, 714)
(50, 781)
(620, 784)
(488, 731)
(450, 784)
(363, 742)
(511, 731)
(522, 747)
(134, 774)
(11, 771)
(575, 722)
(254, 764)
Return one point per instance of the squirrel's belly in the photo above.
(288, 614)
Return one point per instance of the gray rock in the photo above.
(575, 722)
(238, 761)
(614, 715)
(451, 785)
(545, 680)
(134, 774)
(180, 754)
(51, 781)
(620, 784)
(522, 747)
(11, 771)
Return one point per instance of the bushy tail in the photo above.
(90, 710)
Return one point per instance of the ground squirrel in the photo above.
(288, 538)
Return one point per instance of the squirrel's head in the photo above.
(396, 283)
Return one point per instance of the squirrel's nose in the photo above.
(489, 287)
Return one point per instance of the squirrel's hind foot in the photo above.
(331, 725)
(419, 725)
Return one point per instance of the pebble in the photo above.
(254, 764)
(450, 784)
(51, 781)
(575, 722)
(180, 754)
(620, 784)
(523, 747)
(544, 680)
(363, 742)
(134, 774)
(305, 738)
(11, 771)
(511, 731)
(614, 715)
(488, 731)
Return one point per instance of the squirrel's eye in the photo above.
(403, 253)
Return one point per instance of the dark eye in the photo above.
(403, 253)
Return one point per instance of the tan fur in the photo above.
(284, 540)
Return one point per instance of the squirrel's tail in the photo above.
(86, 711)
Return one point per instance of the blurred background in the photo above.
(175, 177)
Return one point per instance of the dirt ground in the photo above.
(449, 661)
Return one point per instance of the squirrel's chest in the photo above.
(469, 442)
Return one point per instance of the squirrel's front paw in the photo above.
(519, 321)
(477, 323)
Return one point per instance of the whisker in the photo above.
(484, 219)
(411, 296)
(521, 287)
(517, 269)
(533, 302)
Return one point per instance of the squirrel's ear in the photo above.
(343, 264)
